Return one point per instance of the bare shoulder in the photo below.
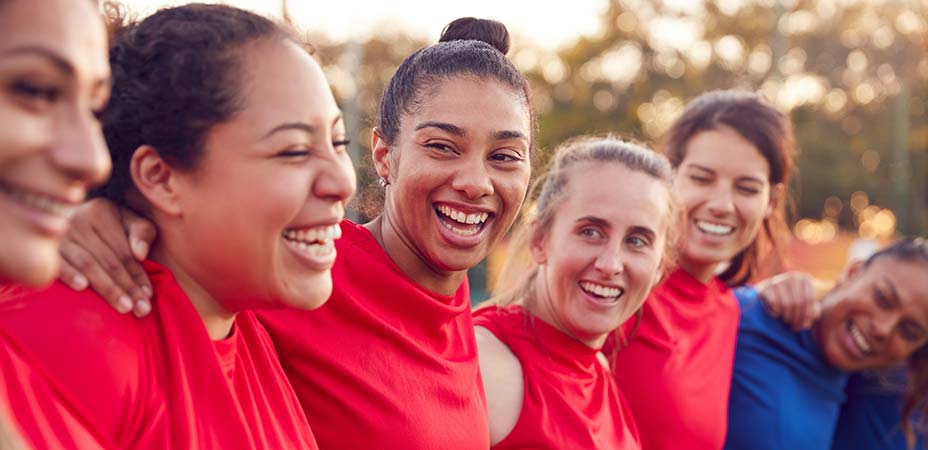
(502, 381)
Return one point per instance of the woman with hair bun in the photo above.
(216, 114)
(733, 154)
(391, 360)
(599, 235)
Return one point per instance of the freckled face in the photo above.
(724, 185)
(459, 172)
(601, 254)
(877, 317)
(54, 78)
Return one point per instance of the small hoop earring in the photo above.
(383, 182)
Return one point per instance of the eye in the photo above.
(591, 233)
(506, 157)
(638, 241)
(36, 94)
(911, 331)
(749, 190)
(298, 152)
(881, 299)
(440, 147)
(341, 144)
(699, 179)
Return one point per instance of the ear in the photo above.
(155, 180)
(536, 243)
(380, 154)
(777, 192)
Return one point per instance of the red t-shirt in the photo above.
(35, 407)
(571, 400)
(157, 382)
(676, 371)
(384, 364)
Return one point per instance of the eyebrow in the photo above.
(893, 293)
(509, 134)
(59, 62)
(444, 126)
(301, 126)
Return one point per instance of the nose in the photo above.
(80, 151)
(882, 326)
(336, 179)
(721, 203)
(609, 263)
(473, 180)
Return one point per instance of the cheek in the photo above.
(752, 210)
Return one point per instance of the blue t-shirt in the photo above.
(871, 418)
(784, 395)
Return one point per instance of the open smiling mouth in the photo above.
(715, 229)
(316, 241)
(603, 294)
(38, 201)
(859, 339)
(460, 222)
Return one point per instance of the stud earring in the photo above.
(383, 182)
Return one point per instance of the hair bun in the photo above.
(484, 30)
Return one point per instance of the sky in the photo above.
(546, 24)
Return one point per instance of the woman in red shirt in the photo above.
(597, 250)
(391, 360)
(216, 114)
(733, 153)
(54, 77)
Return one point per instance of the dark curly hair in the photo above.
(771, 132)
(176, 74)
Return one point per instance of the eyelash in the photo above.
(644, 243)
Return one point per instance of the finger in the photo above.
(82, 262)
(116, 259)
(141, 232)
(71, 276)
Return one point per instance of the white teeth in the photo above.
(714, 228)
(859, 339)
(600, 290)
(462, 217)
(463, 232)
(40, 202)
(318, 241)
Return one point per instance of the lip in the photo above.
(596, 301)
(317, 263)
(458, 240)
(694, 223)
(846, 341)
(44, 222)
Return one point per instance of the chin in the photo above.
(310, 295)
(36, 267)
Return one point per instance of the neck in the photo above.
(700, 271)
(217, 320)
(408, 259)
(539, 304)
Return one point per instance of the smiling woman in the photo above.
(733, 153)
(599, 237)
(791, 384)
(54, 81)
(393, 351)
(200, 140)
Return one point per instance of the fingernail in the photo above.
(141, 247)
(142, 307)
(125, 304)
(146, 291)
(79, 282)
